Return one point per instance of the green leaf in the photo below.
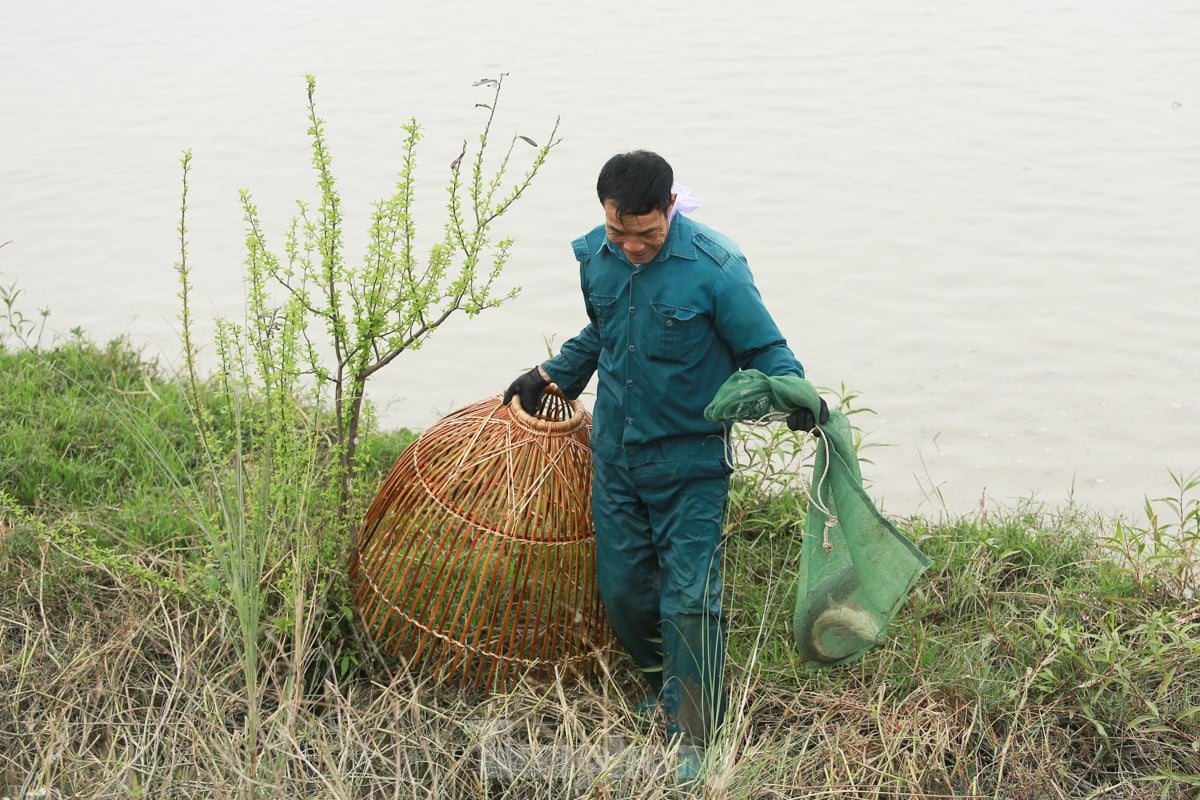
(531, 142)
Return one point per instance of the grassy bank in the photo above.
(1049, 653)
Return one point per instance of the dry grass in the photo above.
(109, 689)
(112, 690)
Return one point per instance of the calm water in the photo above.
(982, 217)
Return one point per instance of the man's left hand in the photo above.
(802, 419)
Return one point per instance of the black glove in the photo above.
(802, 418)
(529, 388)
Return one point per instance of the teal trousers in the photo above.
(658, 562)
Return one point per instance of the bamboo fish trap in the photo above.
(476, 560)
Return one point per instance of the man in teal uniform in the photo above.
(672, 312)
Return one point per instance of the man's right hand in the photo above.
(529, 388)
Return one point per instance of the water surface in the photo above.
(981, 217)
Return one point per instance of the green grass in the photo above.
(1048, 653)
(77, 420)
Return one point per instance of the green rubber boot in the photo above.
(690, 760)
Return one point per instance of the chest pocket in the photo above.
(677, 333)
(605, 307)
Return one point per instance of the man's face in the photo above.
(640, 237)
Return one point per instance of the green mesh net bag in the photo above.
(856, 567)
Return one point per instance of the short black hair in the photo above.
(637, 182)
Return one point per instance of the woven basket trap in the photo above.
(476, 560)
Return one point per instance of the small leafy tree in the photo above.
(318, 328)
(280, 440)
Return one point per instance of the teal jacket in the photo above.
(664, 336)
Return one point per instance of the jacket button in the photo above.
(633, 309)
(632, 348)
(670, 322)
